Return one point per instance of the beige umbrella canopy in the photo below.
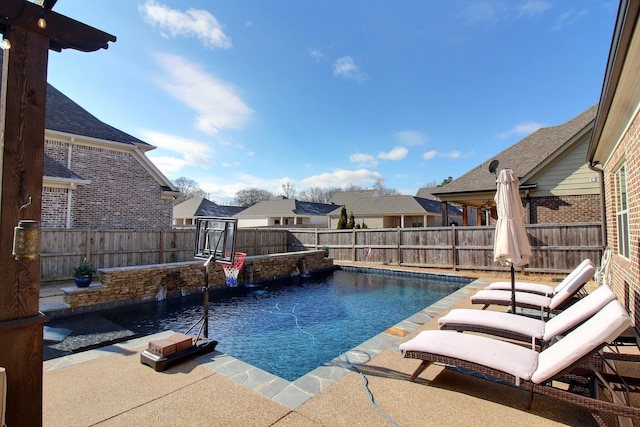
(511, 245)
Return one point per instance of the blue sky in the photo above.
(249, 93)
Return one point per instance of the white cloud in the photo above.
(363, 159)
(216, 103)
(451, 155)
(533, 8)
(342, 178)
(568, 18)
(482, 11)
(192, 153)
(397, 153)
(347, 69)
(168, 165)
(410, 137)
(316, 55)
(524, 128)
(429, 154)
(192, 23)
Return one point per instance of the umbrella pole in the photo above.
(513, 289)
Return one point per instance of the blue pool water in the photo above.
(289, 328)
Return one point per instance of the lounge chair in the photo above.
(523, 328)
(559, 300)
(541, 288)
(531, 370)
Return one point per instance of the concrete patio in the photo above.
(109, 386)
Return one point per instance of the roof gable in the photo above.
(523, 157)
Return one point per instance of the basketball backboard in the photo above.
(216, 237)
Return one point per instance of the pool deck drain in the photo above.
(290, 394)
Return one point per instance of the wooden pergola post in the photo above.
(22, 113)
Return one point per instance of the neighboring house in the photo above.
(394, 211)
(185, 213)
(556, 183)
(96, 176)
(472, 214)
(615, 151)
(285, 212)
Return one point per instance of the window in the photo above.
(416, 221)
(622, 211)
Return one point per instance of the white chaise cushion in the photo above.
(578, 312)
(568, 291)
(486, 297)
(523, 325)
(501, 355)
(603, 327)
(540, 288)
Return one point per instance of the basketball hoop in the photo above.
(231, 270)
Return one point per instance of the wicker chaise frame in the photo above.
(587, 370)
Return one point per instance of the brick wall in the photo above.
(552, 209)
(122, 195)
(54, 207)
(625, 272)
(127, 285)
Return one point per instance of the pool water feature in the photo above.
(289, 328)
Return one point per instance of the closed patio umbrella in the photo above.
(511, 245)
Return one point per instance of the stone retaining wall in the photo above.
(126, 285)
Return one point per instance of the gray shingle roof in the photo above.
(199, 206)
(287, 207)
(64, 115)
(54, 169)
(396, 205)
(523, 157)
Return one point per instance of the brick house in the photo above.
(614, 150)
(96, 176)
(556, 183)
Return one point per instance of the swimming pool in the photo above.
(290, 327)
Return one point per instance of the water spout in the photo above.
(302, 265)
(248, 268)
(161, 295)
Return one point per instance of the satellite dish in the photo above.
(493, 166)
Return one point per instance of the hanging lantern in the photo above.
(26, 240)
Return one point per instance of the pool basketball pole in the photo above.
(215, 242)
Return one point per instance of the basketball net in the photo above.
(231, 270)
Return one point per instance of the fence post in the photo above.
(88, 244)
(161, 257)
(353, 245)
(399, 238)
(454, 252)
(317, 239)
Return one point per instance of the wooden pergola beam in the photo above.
(22, 115)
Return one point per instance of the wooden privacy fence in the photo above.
(62, 249)
(557, 248)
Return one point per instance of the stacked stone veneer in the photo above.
(126, 285)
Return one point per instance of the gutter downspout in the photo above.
(603, 210)
(73, 185)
